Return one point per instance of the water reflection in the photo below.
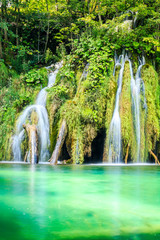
(80, 202)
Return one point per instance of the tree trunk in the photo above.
(127, 152)
(1, 53)
(1, 46)
(47, 33)
(5, 29)
(38, 41)
(60, 140)
(17, 27)
(99, 15)
(155, 157)
(56, 5)
(25, 158)
(33, 142)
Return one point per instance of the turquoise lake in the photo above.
(46, 202)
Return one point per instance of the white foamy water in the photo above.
(43, 123)
(136, 97)
(137, 86)
(115, 125)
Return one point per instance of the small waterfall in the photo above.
(43, 123)
(77, 155)
(16, 146)
(115, 126)
(136, 98)
(85, 72)
(137, 87)
(34, 157)
(77, 152)
(84, 75)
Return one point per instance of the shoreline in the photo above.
(91, 164)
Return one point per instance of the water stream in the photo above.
(136, 100)
(115, 126)
(137, 86)
(43, 123)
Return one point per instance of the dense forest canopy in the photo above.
(37, 33)
(33, 30)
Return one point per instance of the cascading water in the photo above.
(43, 123)
(77, 152)
(137, 86)
(33, 148)
(136, 98)
(115, 126)
(84, 74)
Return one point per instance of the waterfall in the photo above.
(33, 148)
(136, 98)
(137, 86)
(85, 72)
(115, 126)
(43, 123)
(77, 152)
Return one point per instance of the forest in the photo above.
(88, 36)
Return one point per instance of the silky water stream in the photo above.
(137, 89)
(43, 123)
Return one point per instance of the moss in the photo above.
(83, 110)
(143, 149)
(149, 132)
(127, 129)
(14, 99)
(152, 91)
(77, 153)
(54, 127)
(87, 105)
(4, 76)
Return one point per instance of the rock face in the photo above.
(32, 142)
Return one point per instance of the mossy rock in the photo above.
(152, 92)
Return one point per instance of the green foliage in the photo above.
(20, 57)
(79, 32)
(12, 101)
(33, 28)
(84, 109)
(4, 76)
(36, 77)
(49, 57)
(61, 92)
(127, 119)
(153, 107)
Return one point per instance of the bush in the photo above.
(36, 77)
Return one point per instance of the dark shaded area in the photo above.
(156, 151)
(64, 155)
(150, 158)
(97, 148)
(129, 160)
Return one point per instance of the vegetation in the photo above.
(85, 34)
(13, 99)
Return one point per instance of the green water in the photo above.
(79, 202)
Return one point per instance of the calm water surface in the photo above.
(79, 202)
